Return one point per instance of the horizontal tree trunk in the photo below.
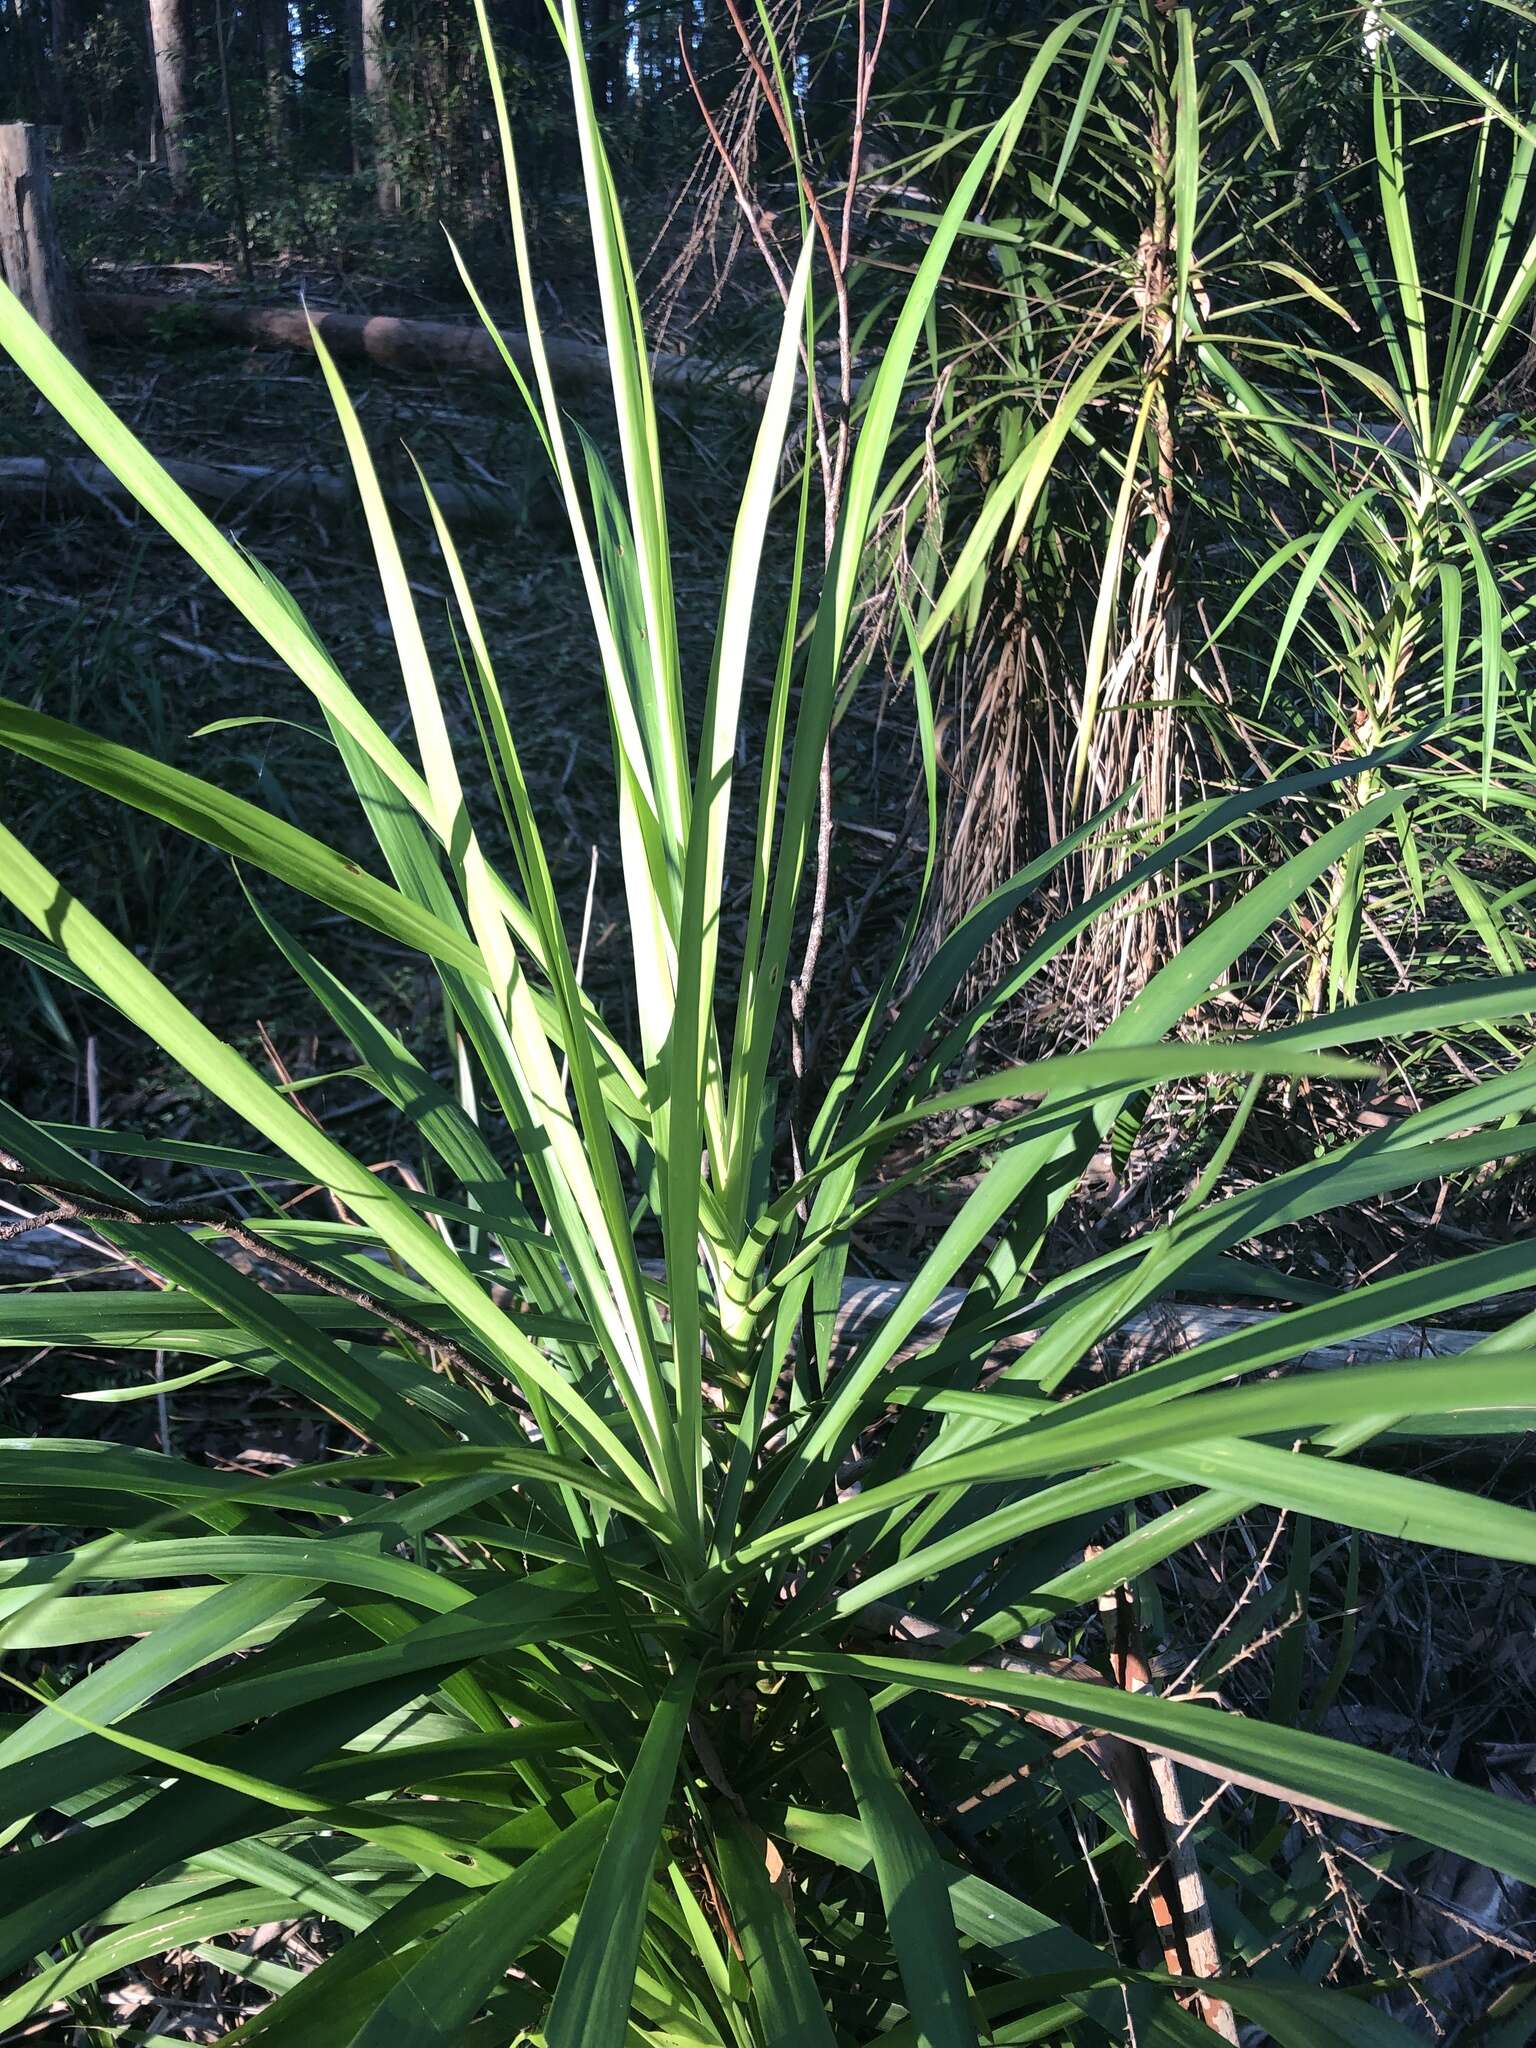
(1141, 1339)
(446, 345)
(1507, 462)
(1151, 1335)
(244, 486)
(399, 344)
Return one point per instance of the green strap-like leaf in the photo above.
(788, 2003)
(911, 1877)
(1309, 1770)
(437, 1996)
(592, 2001)
(1018, 1937)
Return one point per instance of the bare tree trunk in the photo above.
(609, 78)
(277, 70)
(357, 85)
(167, 30)
(31, 258)
(371, 30)
(61, 30)
(232, 140)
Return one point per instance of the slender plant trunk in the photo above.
(167, 30)
(232, 139)
(1161, 596)
(375, 79)
(61, 33)
(1141, 743)
(609, 77)
(357, 86)
(277, 71)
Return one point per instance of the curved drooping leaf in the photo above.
(1312, 1770)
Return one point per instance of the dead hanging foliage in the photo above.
(1001, 745)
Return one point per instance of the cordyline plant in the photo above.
(639, 1670)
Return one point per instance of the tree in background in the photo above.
(168, 42)
(378, 89)
(276, 36)
(372, 35)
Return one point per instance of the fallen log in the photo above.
(1508, 462)
(399, 344)
(1150, 1335)
(1142, 1339)
(231, 487)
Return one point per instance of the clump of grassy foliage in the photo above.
(1232, 468)
(569, 1697)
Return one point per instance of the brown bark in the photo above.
(1144, 1786)
(1153, 1803)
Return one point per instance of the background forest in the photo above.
(767, 871)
